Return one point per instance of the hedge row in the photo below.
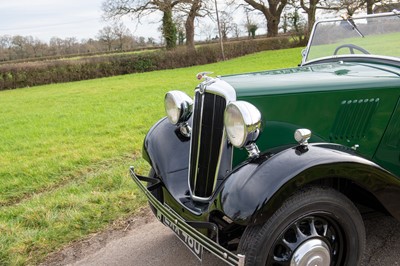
(29, 74)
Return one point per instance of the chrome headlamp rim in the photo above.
(178, 107)
(248, 121)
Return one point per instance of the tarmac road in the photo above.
(148, 242)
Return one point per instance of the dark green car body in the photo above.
(344, 103)
(235, 172)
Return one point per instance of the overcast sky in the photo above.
(60, 18)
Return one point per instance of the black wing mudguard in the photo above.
(167, 151)
(258, 188)
(165, 148)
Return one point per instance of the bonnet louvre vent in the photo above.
(353, 119)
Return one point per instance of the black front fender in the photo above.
(166, 149)
(257, 189)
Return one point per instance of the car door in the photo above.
(388, 152)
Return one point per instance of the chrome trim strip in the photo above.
(213, 247)
(198, 145)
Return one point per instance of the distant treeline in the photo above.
(19, 75)
(18, 47)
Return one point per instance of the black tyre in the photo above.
(317, 226)
(156, 192)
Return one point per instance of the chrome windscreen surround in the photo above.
(338, 30)
(208, 139)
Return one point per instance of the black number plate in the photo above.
(190, 242)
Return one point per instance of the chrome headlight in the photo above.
(178, 106)
(242, 122)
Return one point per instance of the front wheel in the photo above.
(317, 226)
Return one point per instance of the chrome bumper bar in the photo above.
(213, 247)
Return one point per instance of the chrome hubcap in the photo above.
(313, 252)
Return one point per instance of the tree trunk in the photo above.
(311, 11)
(272, 27)
(189, 25)
(169, 28)
(272, 13)
(370, 4)
(310, 20)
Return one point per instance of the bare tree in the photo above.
(180, 29)
(5, 46)
(36, 47)
(236, 30)
(295, 24)
(207, 29)
(382, 6)
(90, 46)
(226, 22)
(353, 6)
(310, 7)
(120, 32)
(19, 44)
(190, 10)
(71, 45)
(115, 9)
(250, 25)
(272, 10)
(106, 36)
(56, 45)
(350, 6)
(151, 41)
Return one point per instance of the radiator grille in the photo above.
(207, 137)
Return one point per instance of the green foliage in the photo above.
(46, 72)
(297, 26)
(65, 150)
(252, 28)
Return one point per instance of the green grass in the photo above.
(65, 150)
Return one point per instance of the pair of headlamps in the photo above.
(242, 120)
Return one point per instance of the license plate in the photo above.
(195, 247)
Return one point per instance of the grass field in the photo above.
(65, 151)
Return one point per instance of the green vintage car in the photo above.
(277, 167)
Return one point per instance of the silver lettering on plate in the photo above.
(159, 215)
(190, 242)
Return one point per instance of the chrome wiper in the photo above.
(354, 27)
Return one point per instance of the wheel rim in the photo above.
(310, 240)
